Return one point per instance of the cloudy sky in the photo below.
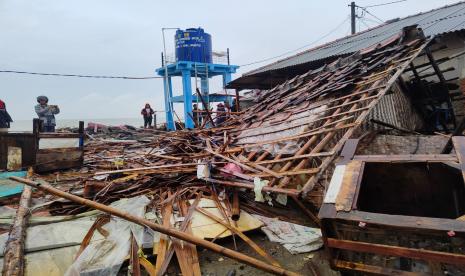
(123, 38)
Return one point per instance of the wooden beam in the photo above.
(459, 145)
(399, 221)
(147, 168)
(159, 228)
(373, 269)
(289, 192)
(397, 251)
(408, 157)
(13, 261)
(233, 161)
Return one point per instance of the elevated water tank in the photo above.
(193, 45)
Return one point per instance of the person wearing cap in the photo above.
(46, 114)
(221, 114)
(5, 118)
(148, 114)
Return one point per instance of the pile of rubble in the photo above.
(155, 191)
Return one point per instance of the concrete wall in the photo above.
(397, 144)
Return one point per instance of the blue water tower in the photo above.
(193, 51)
(193, 45)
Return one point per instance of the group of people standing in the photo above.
(45, 112)
(222, 113)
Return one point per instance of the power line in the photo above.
(300, 48)
(365, 10)
(78, 76)
(364, 23)
(384, 4)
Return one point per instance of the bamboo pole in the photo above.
(156, 227)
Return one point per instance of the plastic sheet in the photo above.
(105, 257)
(51, 248)
(294, 237)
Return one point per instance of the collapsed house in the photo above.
(398, 175)
(320, 137)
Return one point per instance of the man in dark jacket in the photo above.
(5, 118)
(148, 113)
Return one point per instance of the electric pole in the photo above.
(352, 17)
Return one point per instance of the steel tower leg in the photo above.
(187, 88)
(169, 105)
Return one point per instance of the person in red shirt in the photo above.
(148, 113)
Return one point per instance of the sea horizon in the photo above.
(26, 125)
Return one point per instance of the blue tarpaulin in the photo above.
(9, 187)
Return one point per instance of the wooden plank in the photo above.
(397, 251)
(320, 154)
(288, 173)
(290, 192)
(134, 257)
(60, 151)
(164, 242)
(59, 135)
(147, 168)
(344, 265)
(351, 179)
(408, 157)
(193, 259)
(398, 221)
(56, 159)
(58, 165)
(459, 145)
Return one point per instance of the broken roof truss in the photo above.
(294, 132)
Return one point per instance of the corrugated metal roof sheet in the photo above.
(446, 19)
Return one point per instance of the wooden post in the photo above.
(13, 261)
(238, 103)
(205, 106)
(236, 211)
(81, 134)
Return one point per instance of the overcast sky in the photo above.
(116, 37)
